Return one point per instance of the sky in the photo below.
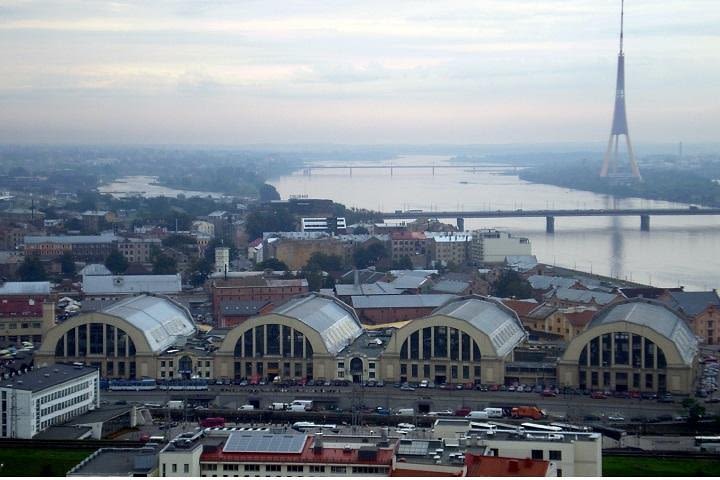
(359, 72)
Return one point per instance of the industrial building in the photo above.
(33, 401)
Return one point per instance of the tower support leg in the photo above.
(461, 224)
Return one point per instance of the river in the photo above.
(677, 251)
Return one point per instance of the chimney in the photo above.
(514, 466)
(318, 446)
(356, 278)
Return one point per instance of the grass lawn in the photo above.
(659, 467)
(29, 462)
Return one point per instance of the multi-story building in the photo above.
(34, 401)
(222, 260)
(702, 310)
(492, 246)
(449, 248)
(94, 221)
(138, 250)
(253, 287)
(86, 248)
(296, 252)
(26, 312)
(323, 224)
(201, 226)
(409, 244)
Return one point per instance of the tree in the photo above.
(31, 270)
(512, 285)
(327, 263)
(695, 411)
(403, 264)
(272, 264)
(368, 256)
(199, 271)
(164, 265)
(361, 230)
(268, 193)
(274, 219)
(116, 262)
(67, 265)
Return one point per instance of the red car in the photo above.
(598, 395)
(549, 393)
(494, 387)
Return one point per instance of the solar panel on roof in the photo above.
(414, 447)
(264, 443)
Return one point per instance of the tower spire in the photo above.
(619, 123)
(622, 21)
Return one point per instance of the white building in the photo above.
(34, 401)
(114, 287)
(492, 246)
(322, 224)
(222, 259)
(201, 226)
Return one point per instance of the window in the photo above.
(559, 472)
(174, 468)
(252, 468)
(495, 452)
(537, 454)
(414, 371)
(336, 469)
(555, 455)
(317, 468)
(186, 468)
(273, 468)
(295, 468)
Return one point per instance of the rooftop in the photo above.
(95, 269)
(544, 282)
(655, 316)
(72, 239)
(126, 284)
(336, 322)
(450, 286)
(497, 321)
(377, 288)
(243, 307)
(25, 288)
(521, 307)
(693, 303)
(162, 321)
(117, 462)
(428, 300)
(405, 235)
(583, 296)
(41, 378)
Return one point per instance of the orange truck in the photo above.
(527, 412)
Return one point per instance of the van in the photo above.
(494, 412)
(247, 407)
(478, 414)
(406, 411)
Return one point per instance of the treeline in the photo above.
(658, 184)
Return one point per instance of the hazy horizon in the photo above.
(493, 72)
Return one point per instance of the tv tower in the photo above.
(619, 123)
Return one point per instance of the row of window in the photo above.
(622, 348)
(289, 468)
(439, 370)
(56, 407)
(95, 339)
(24, 325)
(273, 339)
(65, 392)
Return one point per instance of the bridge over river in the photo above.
(460, 215)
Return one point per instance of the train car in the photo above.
(145, 384)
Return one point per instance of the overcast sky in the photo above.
(239, 72)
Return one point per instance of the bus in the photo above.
(303, 426)
(212, 422)
(145, 384)
(536, 427)
(707, 444)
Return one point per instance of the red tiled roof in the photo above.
(485, 466)
(404, 235)
(307, 455)
(520, 307)
(580, 319)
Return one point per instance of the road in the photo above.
(571, 406)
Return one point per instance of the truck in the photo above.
(494, 412)
(528, 412)
(478, 415)
(301, 405)
(175, 404)
(405, 411)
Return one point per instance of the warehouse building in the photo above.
(32, 402)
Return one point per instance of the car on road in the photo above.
(616, 418)
(548, 393)
(441, 413)
(407, 388)
(666, 398)
(648, 396)
(598, 395)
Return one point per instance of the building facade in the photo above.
(34, 401)
(26, 312)
(493, 246)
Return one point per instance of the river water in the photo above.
(676, 251)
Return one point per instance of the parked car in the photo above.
(548, 393)
(666, 398)
(598, 395)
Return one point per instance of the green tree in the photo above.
(199, 271)
(116, 262)
(368, 256)
(67, 265)
(360, 230)
(272, 219)
(512, 285)
(268, 193)
(325, 262)
(32, 270)
(272, 264)
(695, 411)
(164, 265)
(403, 264)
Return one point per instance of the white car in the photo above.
(406, 426)
(616, 418)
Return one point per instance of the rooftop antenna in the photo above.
(622, 21)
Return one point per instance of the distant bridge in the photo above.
(643, 213)
(307, 170)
